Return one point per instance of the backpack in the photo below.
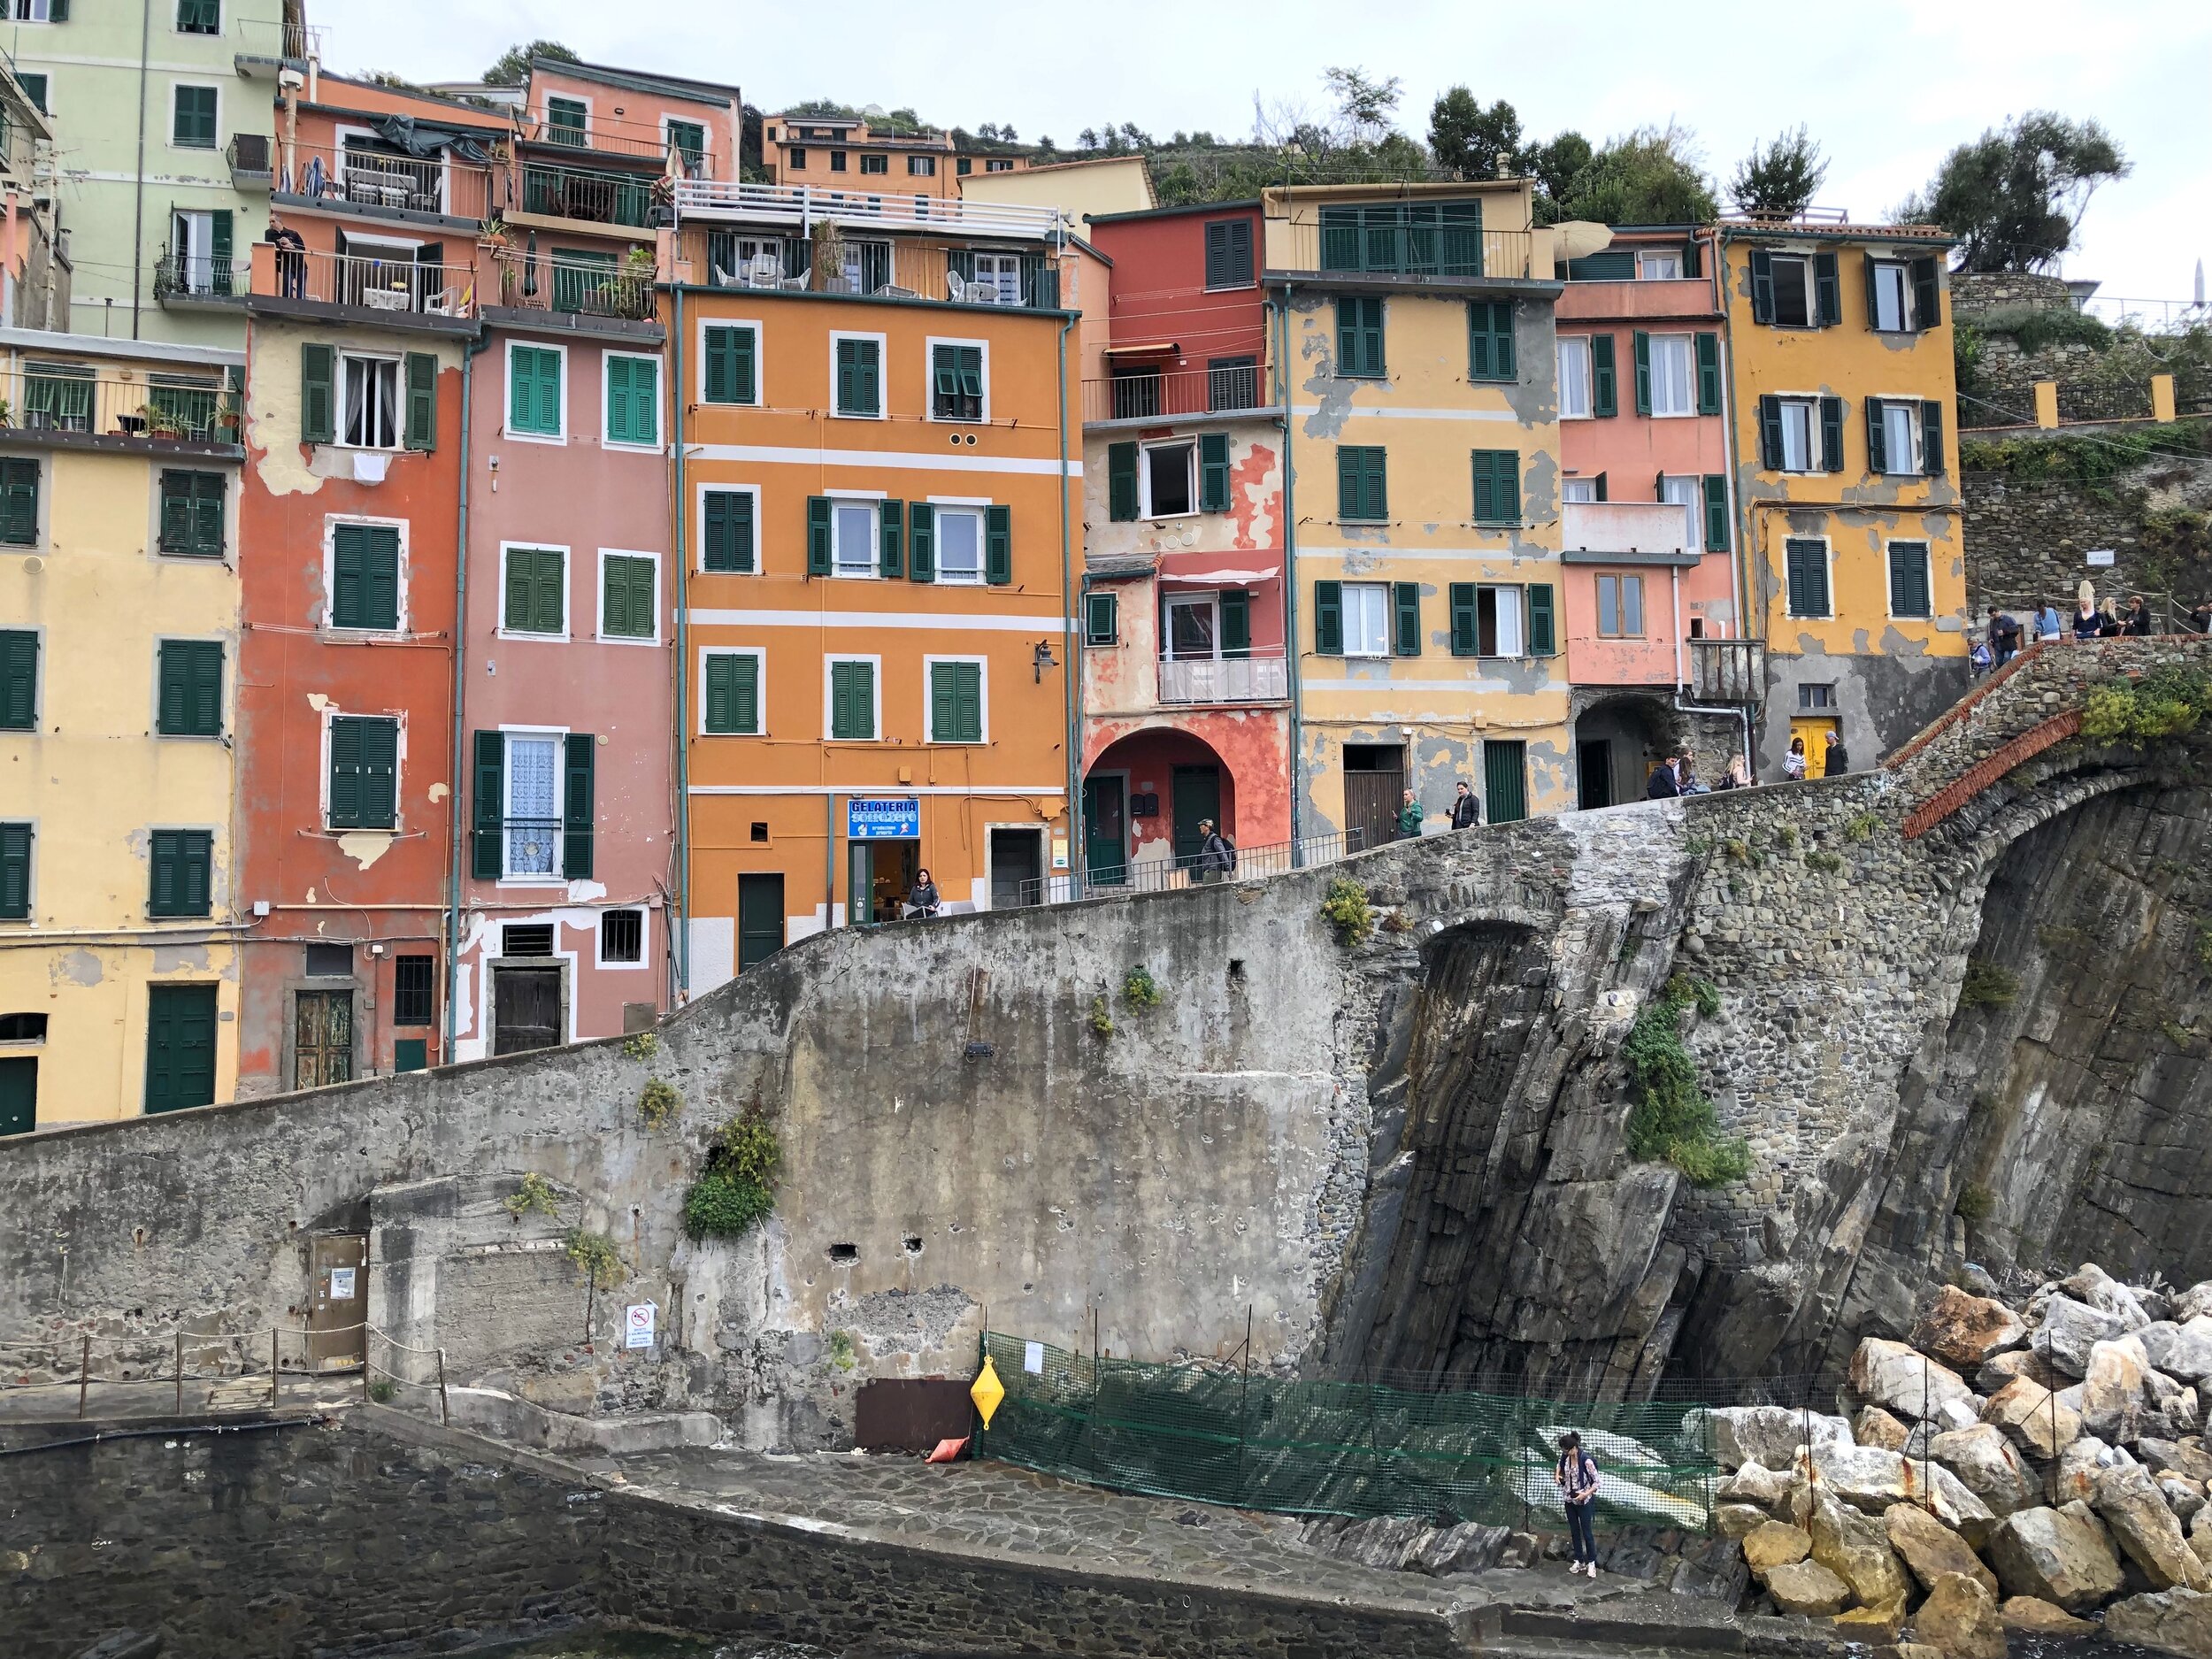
(1232, 848)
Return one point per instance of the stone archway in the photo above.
(1619, 736)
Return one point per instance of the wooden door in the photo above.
(1196, 793)
(338, 1302)
(525, 1008)
(322, 1038)
(18, 1094)
(759, 919)
(1105, 849)
(180, 1047)
(1371, 805)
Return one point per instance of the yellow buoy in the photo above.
(988, 1390)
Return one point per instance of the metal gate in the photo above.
(338, 1303)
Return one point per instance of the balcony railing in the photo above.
(584, 288)
(1257, 677)
(1462, 253)
(1136, 393)
(798, 207)
(353, 176)
(1728, 671)
(611, 135)
(585, 193)
(249, 157)
(417, 288)
(197, 277)
(888, 270)
(58, 398)
(1157, 875)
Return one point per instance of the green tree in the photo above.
(513, 67)
(1556, 166)
(2016, 195)
(1780, 181)
(1649, 177)
(1366, 107)
(1469, 141)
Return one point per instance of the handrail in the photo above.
(804, 205)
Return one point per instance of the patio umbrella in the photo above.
(530, 268)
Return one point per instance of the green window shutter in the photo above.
(1497, 475)
(956, 703)
(643, 421)
(1371, 337)
(422, 401)
(1709, 374)
(1832, 434)
(1877, 444)
(1604, 383)
(18, 680)
(1405, 634)
(1465, 632)
(1340, 239)
(345, 774)
(1807, 571)
(1491, 353)
(1359, 337)
(1931, 463)
(1643, 372)
(548, 592)
(818, 535)
(1350, 481)
(193, 126)
(489, 859)
(1827, 290)
(891, 541)
(998, 544)
(1121, 482)
(1769, 433)
(1236, 622)
(219, 249)
(1869, 266)
(853, 701)
(1217, 253)
(1601, 478)
(190, 704)
(921, 542)
(318, 397)
(733, 695)
(15, 872)
(1328, 618)
(176, 512)
(729, 532)
(1102, 618)
(1213, 471)
(944, 376)
(1761, 285)
(625, 606)
(533, 390)
(364, 576)
(729, 373)
(1927, 294)
(620, 371)
(209, 491)
(363, 772)
(858, 378)
(1542, 635)
(1715, 513)
(1504, 780)
(576, 805)
(180, 860)
(58, 11)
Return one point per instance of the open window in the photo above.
(1170, 480)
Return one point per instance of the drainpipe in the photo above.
(1290, 576)
(138, 200)
(478, 344)
(680, 911)
(1068, 646)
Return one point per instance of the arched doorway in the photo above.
(1618, 739)
(1143, 800)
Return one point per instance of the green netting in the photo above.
(1260, 1442)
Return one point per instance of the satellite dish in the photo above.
(1578, 238)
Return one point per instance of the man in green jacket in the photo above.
(1409, 818)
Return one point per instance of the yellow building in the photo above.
(1842, 386)
(118, 635)
(1414, 327)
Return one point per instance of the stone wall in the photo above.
(1975, 295)
(2027, 540)
(373, 1530)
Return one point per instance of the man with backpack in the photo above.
(1217, 855)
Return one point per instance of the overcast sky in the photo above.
(1888, 89)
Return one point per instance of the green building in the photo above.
(163, 122)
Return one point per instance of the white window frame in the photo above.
(929, 700)
(1813, 459)
(1144, 476)
(1688, 353)
(331, 521)
(398, 718)
(929, 381)
(760, 361)
(1906, 322)
(606, 385)
(599, 622)
(1578, 489)
(559, 736)
(1805, 263)
(760, 551)
(872, 499)
(829, 697)
(196, 267)
(1828, 562)
(568, 596)
(927, 169)
(1909, 407)
(1211, 601)
(1674, 254)
(1382, 591)
(1692, 502)
(759, 654)
(977, 505)
(1578, 376)
(507, 394)
(1890, 544)
(13, 18)
(346, 358)
(883, 375)
(1619, 578)
(1520, 620)
(591, 113)
(644, 941)
(1000, 258)
(170, 137)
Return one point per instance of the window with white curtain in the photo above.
(534, 819)
(1366, 619)
(1673, 376)
(1574, 377)
(371, 396)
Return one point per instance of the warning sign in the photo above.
(639, 1325)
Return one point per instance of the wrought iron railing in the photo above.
(413, 286)
(56, 397)
(1189, 870)
(353, 176)
(589, 194)
(614, 289)
(197, 277)
(1142, 394)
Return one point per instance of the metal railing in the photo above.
(1139, 394)
(589, 194)
(801, 206)
(415, 287)
(583, 288)
(1454, 253)
(247, 154)
(197, 277)
(1158, 875)
(303, 39)
(180, 409)
(891, 270)
(353, 176)
(611, 135)
(2151, 316)
(1728, 671)
(1259, 676)
(2169, 613)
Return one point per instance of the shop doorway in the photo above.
(881, 873)
(1374, 780)
(180, 1047)
(322, 1038)
(1017, 867)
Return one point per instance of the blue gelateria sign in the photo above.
(892, 818)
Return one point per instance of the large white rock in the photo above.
(2070, 1330)
(2172, 1621)
(2115, 1389)
(1902, 1379)
(1756, 1484)
(2093, 1284)
(1960, 1616)
(2195, 1299)
(2132, 1506)
(1768, 1435)
(1993, 1471)
(1869, 1478)
(2080, 1464)
(2032, 1416)
(2055, 1558)
(2184, 1351)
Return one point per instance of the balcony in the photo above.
(432, 293)
(66, 405)
(1647, 532)
(385, 182)
(589, 196)
(1164, 395)
(799, 207)
(1728, 671)
(1258, 676)
(615, 290)
(192, 282)
(1449, 251)
(885, 269)
(611, 135)
(249, 157)
(1632, 300)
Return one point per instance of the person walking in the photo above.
(2004, 636)
(922, 900)
(1576, 1474)
(1662, 785)
(2048, 629)
(1217, 855)
(2200, 616)
(1409, 818)
(2138, 617)
(1466, 810)
(1839, 758)
(1686, 779)
(1794, 763)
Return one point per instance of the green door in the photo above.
(759, 919)
(1505, 781)
(1105, 853)
(180, 1047)
(18, 1094)
(1197, 795)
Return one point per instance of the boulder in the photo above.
(1739, 1520)
(1963, 1330)
(1993, 1471)
(2031, 1616)
(2178, 1457)
(2055, 1558)
(2129, 1503)
(2020, 1362)
(1869, 1478)
(1868, 1624)
(1930, 1548)
(1806, 1586)
(2172, 1621)
(1909, 1383)
(2115, 1389)
(2030, 1415)
(1874, 1426)
(1916, 1650)
(1769, 1435)
(2201, 1535)
(2081, 1462)
(2181, 1350)
(2195, 1299)
(2184, 1496)
(2068, 1331)
(1777, 1544)
(1754, 1484)
(2093, 1284)
(1856, 1547)
(1960, 1616)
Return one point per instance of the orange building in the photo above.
(876, 464)
(846, 152)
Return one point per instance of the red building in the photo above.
(1185, 686)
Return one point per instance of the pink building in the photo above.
(1653, 634)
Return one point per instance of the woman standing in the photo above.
(922, 899)
(1577, 1477)
(1794, 763)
